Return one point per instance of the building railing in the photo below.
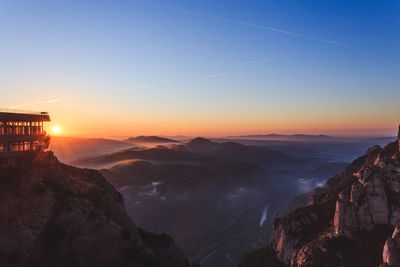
(38, 133)
(21, 111)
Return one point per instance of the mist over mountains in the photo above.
(150, 139)
(218, 198)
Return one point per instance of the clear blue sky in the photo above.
(207, 67)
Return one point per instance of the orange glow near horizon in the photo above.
(89, 118)
(108, 127)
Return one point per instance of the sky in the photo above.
(207, 67)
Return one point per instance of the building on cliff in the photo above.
(22, 131)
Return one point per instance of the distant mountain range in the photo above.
(197, 150)
(286, 137)
(307, 138)
(151, 139)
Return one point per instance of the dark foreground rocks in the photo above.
(52, 214)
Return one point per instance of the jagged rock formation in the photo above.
(52, 214)
(374, 197)
(366, 203)
(347, 222)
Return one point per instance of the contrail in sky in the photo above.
(49, 101)
(217, 75)
(252, 62)
(262, 27)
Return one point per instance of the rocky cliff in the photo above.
(52, 214)
(347, 221)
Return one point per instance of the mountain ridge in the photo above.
(199, 149)
(151, 139)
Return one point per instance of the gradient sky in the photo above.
(206, 67)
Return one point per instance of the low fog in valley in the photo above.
(217, 197)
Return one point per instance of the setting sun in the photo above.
(56, 129)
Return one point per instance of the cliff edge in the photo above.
(52, 214)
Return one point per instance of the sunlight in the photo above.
(56, 129)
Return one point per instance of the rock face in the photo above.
(366, 203)
(347, 222)
(52, 214)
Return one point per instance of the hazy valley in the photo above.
(217, 198)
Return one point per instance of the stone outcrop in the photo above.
(52, 214)
(372, 198)
(364, 204)
(350, 218)
(302, 225)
